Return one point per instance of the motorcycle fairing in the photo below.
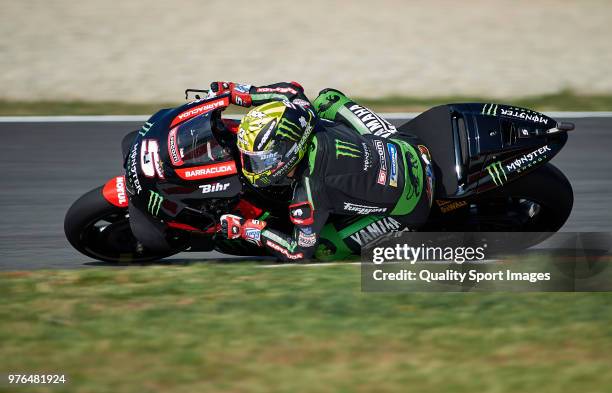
(466, 139)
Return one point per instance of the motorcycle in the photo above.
(490, 161)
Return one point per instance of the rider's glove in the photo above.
(239, 93)
(236, 227)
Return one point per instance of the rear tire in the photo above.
(549, 188)
(100, 230)
(537, 204)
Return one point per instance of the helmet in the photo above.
(272, 139)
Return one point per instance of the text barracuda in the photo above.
(209, 171)
(200, 109)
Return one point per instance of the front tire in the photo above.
(100, 230)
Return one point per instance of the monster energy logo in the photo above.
(347, 149)
(289, 130)
(145, 128)
(496, 170)
(491, 110)
(155, 201)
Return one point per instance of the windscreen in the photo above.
(194, 143)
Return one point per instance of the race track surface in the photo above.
(47, 166)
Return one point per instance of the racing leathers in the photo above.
(357, 165)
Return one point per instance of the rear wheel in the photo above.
(102, 231)
(540, 202)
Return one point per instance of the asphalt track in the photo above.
(47, 165)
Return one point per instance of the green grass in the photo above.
(565, 100)
(237, 328)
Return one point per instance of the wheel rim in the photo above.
(110, 238)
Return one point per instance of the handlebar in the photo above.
(197, 96)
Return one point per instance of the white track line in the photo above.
(324, 264)
(142, 118)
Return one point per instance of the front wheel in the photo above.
(102, 231)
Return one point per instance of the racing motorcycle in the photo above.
(491, 164)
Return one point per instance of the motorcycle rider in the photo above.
(342, 157)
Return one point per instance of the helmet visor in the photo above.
(260, 161)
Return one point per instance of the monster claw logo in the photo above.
(289, 130)
(496, 171)
(145, 128)
(347, 149)
(491, 110)
(155, 201)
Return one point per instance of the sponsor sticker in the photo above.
(375, 230)
(132, 172)
(496, 171)
(450, 205)
(528, 159)
(155, 202)
(288, 104)
(283, 251)
(303, 121)
(393, 163)
(382, 158)
(266, 137)
(307, 240)
(306, 230)
(363, 209)
(374, 123)
(367, 157)
(425, 154)
(214, 187)
(207, 171)
(242, 88)
(114, 191)
(173, 151)
(253, 235)
(145, 128)
(523, 114)
(282, 90)
(302, 103)
(430, 176)
(150, 163)
(200, 109)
